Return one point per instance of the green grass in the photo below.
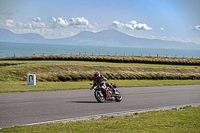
(19, 86)
(61, 70)
(184, 120)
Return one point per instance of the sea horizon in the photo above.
(9, 49)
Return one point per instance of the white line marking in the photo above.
(113, 114)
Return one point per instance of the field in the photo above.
(184, 120)
(53, 70)
(50, 72)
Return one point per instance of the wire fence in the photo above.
(99, 53)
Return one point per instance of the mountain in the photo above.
(8, 36)
(116, 38)
(103, 38)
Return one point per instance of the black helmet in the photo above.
(96, 74)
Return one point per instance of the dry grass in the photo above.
(83, 70)
(118, 59)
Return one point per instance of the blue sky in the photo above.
(177, 20)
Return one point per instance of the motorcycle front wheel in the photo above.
(118, 96)
(99, 96)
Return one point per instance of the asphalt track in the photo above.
(36, 107)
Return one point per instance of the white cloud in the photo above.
(23, 25)
(161, 28)
(78, 21)
(37, 19)
(133, 25)
(32, 25)
(59, 22)
(26, 27)
(52, 19)
(9, 23)
(133, 22)
(197, 28)
(38, 25)
(142, 27)
(117, 24)
(54, 28)
(62, 22)
(128, 26)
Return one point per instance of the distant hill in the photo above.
(8, 36)
(103, 38)
(116, 38)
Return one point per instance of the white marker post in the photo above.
(31, 79)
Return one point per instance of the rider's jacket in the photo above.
(98, 80)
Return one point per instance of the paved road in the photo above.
(33, 107)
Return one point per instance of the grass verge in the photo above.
(83, 70)
(19, 86)
(184, 120)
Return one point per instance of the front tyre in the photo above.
(118, 97)
(99, 96)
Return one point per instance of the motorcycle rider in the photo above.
(98, 81)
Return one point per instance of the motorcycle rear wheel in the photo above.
(99, 96)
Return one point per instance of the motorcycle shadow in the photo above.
(85, 101)
(108, 101)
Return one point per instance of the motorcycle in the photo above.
(101, 89)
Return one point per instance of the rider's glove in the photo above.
(92, 88)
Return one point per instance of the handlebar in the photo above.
(93, 87)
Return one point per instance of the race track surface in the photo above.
(34, 107)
